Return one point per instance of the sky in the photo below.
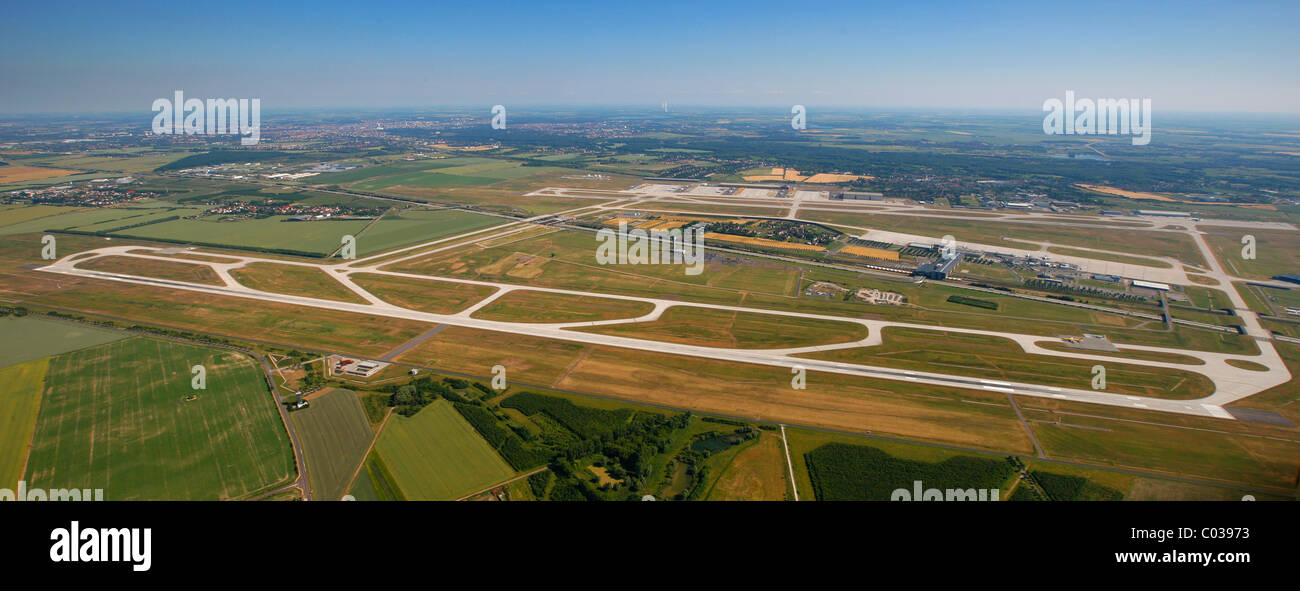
(85, 57)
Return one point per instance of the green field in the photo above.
(20, 398)
(115, 417)
(412, 226)
(89, 220)
(436, 455)
(272, 233)
(30, 337)
(335, 436)
(542, 306)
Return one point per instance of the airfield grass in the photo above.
(1168, 244)
(998, 358)
(176, 271)
(29, 337)
(21, 387)
(965, 417)
(724, 328)
(1107, 256)
(542, 306)
(335, 436)
(1277, 252)
(425, 295)
(274, 233)
(1126, 353)
(298, 280)
(406, 227)
(436, 455)
(359, 334)
(565, 260)
(115, 417)
(1215, 456)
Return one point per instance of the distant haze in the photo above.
(97, 56)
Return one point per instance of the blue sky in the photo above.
(98, 56)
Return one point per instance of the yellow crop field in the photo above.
(14, 174)
(1123, 193)
(875, 253)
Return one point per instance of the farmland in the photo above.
(28, 338)
(116, 417)
(21, 387)
(436, 455)
(335, 436)
(275, 233)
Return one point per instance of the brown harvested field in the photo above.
(758, 473)
(14, 174)
(541, 306)
(294, 280)
(708, 327)
(425, 295)
(314, 328)
(175, 271)
(826, 177)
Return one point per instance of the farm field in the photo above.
(436, 455)
(722, 328)
(296, 280)
(21, 387)
(541, 306)
(177, 271)
(97, 219)
(317, 238)
(335, 436)
(116, 417)
(18, 213)
(17, 174)
(998, 358)
(410, 226)
(30, 337)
